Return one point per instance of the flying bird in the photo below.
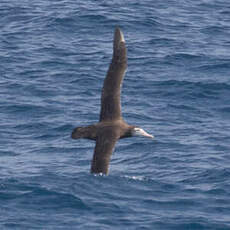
(111, 126)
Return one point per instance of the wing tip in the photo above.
(118, 36)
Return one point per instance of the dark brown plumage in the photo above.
(111, 125)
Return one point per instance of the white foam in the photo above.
(140, 178)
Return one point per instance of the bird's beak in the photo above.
(145, 134)
(141, 132)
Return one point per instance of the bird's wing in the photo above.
(105, 144)
(110, 98)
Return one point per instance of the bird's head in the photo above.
(136, 131)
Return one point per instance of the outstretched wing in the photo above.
(105, 144)
(110, 98)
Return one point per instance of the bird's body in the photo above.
(111, 126)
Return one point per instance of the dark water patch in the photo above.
(184, 107)
(225, 110)
(26, 108)
(28, 111)
(51, 200)
(184, 56)
(214, 67)
(7, 153)
(96, 17)
(192, 90)
(191, 84)
(214, 30)
(210, 176)
(199, 224)
(181, 204)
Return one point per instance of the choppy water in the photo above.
(53, 59)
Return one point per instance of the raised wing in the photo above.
(110, 98)
(105, 144)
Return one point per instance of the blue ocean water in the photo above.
(53, 59)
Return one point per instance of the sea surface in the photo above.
(53, 59)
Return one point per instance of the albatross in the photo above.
(111, 126)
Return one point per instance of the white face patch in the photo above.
(141, 132)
